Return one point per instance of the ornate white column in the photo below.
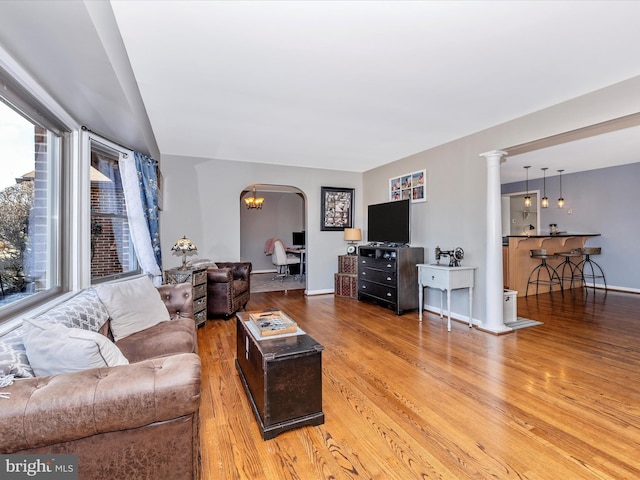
(494, 321)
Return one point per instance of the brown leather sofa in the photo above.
(228, 288)
(125, 422)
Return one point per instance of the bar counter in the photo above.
(517, 263)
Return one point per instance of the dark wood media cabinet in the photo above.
(389, 276)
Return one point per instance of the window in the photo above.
(30, 154)
(112, 252)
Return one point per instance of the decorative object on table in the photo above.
(253, 201)
(527, 197)
(336, 208)
(183, 246)
(561, 199)
(411, 186)
(455, 256)
(273, 323)
(352, 235)
(544, 203)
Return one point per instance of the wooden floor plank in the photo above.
(404, 399)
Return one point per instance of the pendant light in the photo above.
(560, 200)
(544, 203)
(527, 197)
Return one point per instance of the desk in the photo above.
(301, 252)
(446, 278)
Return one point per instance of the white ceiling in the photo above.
(332, 84)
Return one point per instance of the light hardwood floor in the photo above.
(406, 400)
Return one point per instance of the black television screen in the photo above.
(298, 239)
(389, 222)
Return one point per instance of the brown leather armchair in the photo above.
(228, 288)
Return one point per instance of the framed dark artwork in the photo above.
(336, 208)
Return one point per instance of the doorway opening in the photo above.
(518, 219)
(283, 215)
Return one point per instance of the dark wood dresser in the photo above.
(389, 276)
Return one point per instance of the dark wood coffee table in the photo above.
(282, 377)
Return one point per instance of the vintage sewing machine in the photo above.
(455, 256)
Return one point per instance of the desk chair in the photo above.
(281, 260)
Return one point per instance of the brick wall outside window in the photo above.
(111, 247)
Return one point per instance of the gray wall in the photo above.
(601, 201)
(455, 213)
(281, 214)
(202, 201)
(202, 195)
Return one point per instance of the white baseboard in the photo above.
(319, 292)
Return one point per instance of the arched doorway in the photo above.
(283, 213)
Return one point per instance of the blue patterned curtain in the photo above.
(148, 181)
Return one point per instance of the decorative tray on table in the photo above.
(273, 323)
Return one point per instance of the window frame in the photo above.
(92, 137)
(15, 97)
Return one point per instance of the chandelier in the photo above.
(254, 202)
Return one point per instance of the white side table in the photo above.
(444, 277)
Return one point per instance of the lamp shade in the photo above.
(184, 245)
(352, 234)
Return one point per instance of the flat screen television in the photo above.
(298, 239)
(389, 222)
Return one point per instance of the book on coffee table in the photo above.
(273, 323)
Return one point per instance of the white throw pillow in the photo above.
(55, 348)
(133, 306)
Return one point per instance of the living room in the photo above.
(192, 205)
(202, 191)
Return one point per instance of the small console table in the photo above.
(446, 278)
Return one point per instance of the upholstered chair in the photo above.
(228, 288)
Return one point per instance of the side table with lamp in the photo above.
(196, 276)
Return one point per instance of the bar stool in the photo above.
(574, 271)
(552, 275)
(588, 263)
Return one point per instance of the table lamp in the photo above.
(183, 246)
(352, 235)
